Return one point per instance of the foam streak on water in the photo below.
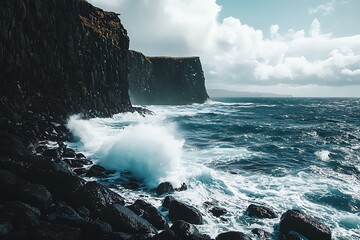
(285, 153)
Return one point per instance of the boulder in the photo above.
(68, 153)
(187, 231)
(12, 146)
(5, 228)
(95, 197)
(232, 235)
(167, 201)
(218, 211)
(261, 234)
(260, 211)
(183, 187)
(149, 213)
(54, 232)
(164, 187)
(61, 213)
(35, 194)
(9, 182)
(123, 219)
(80, 155)
(182, 211)
(52, 153)
(21, 215)
(297, 221)
(98, 171)
(165, 235)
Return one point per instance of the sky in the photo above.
(306, 48)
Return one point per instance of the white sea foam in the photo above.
(151, 152)
(323, 155)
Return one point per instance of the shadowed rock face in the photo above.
(166, 80)
(66, 50)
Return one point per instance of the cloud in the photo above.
(324, 9)
(235, 53)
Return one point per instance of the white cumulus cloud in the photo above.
(233, 52)
(324, 9)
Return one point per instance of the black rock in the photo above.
(12, 146)
(218, 211)
(149, 213)
(119, 236)
(73, 163)
(98, 171)
(164, 187)
(182, 211)
(83, 212)
(80, 171)
(260, 211)
(293, 236)
(61, 213)
(9, 183)
(68, 153)
(80, 155)
(232, 235)
(167, 201)
(54, 232)
(165, 235)
(22, 216)
(294, 220)
(123, 219)
(52, 153)
(143, 236)
(5, 228)
(261, 234)
(187, 231)
(182, 188)
(94, 197)
(35, 194)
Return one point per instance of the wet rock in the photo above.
(294, 236)
(182, 211)
(232, 235)
(54, 232)
(119, 236)
(5, 228)
(183, 187)
(143, 236)
(83, 212)
(260, 211)
(61, 213)
(52, 153)
(95, 197)
(98, 171)
(80, 171)
(35, 194)
(294, 220)
(218, 211)
(68, 153)
(167, 201)
(12, 146)
(9, 182)
(73, 163)
(124, 220)
(22, 216)
(165, 235)
(163, 188)
(80, 156)
(149, 213)
(187, 231)
(261, 234)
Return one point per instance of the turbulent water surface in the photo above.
(285, 153)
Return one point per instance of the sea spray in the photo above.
(149, 151)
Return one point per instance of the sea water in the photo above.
(287, 153)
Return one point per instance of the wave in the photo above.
(150, 152)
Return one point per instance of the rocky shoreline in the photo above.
(63, 57)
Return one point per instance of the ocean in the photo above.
(287, 153)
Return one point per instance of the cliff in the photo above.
(166, 80)
(62, 55)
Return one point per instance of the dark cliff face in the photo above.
(166, 80)
(63, 51)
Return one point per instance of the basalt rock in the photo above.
(294, 220)
(232, 235)
(149, 213)
(123, 219)
(182, 211)
(187, 231)
(260, 211)
(166, 80)
(218, 211)
(58, 57)
(95, 197)
(164, 187)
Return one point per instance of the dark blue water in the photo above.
(301, 153)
